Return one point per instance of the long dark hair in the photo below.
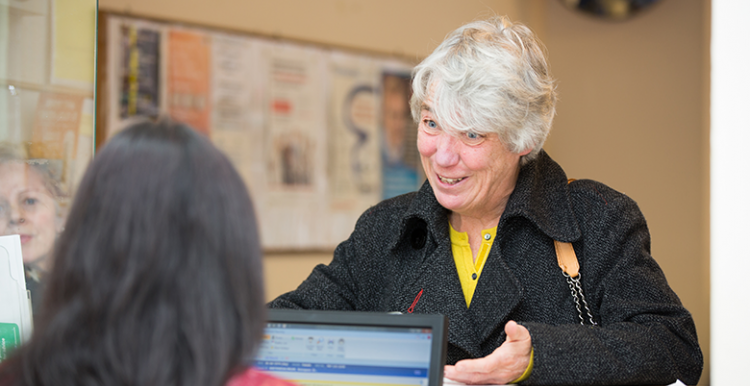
(157, 277)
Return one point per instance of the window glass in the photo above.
(47, 76)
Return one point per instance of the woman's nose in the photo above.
(16, 216)
(447, 152)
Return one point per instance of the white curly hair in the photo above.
(489, 76)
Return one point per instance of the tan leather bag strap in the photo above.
(566, 256)
(568, 262)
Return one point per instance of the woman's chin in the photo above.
(450, 202)
(35, 259)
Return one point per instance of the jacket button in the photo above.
(487, 236)
(474, 276)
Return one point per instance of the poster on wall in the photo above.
(235, 127)
(139, 71)
(294, 118)
(231, 70)
(354, 179)
(401, 166)
(135, 72)
(293, 105)
(353, 136)
(188, 78)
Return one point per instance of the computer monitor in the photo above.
(324, 348)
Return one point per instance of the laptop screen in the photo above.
(334, 348)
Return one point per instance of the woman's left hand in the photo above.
(507, 363)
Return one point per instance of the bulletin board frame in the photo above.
(318, 133)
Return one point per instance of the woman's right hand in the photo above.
(507, 363)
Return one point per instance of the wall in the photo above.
(408, 28)
(633, 110)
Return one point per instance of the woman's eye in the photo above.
(30, 201)
(472, 138)
(430, 126)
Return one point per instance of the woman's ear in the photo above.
(525, 152)
(60, 221)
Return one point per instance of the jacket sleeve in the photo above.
(329, 287)
(354, 279)
(645, 335)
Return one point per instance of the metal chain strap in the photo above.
(577, 291)
(583, 298)
(573, 292)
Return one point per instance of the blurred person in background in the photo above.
(399, 173)
(32, 205)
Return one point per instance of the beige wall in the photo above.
(410, 28)
(633, 110)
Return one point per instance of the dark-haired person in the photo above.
(157, 276)
(476, 242)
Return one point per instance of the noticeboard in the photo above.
(318, 134)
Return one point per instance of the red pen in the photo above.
(414, 303)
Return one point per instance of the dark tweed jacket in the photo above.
(402, 246)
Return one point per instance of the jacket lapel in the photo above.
(542, 196)
(432, 271)
(498, 292)
(442, 294)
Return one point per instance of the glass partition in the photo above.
(47, 72)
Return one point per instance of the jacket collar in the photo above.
(423, 211)
(541, 195)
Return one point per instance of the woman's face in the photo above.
(28, 209)
(471, 175)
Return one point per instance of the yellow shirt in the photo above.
(468, 270)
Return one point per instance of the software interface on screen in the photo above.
(327, 355)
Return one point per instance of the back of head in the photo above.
(489, 76)
(157, 277)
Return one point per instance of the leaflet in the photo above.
(15, 310)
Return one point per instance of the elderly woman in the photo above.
(477, 242)
(31, 206)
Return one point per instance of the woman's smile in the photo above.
(450, 181)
